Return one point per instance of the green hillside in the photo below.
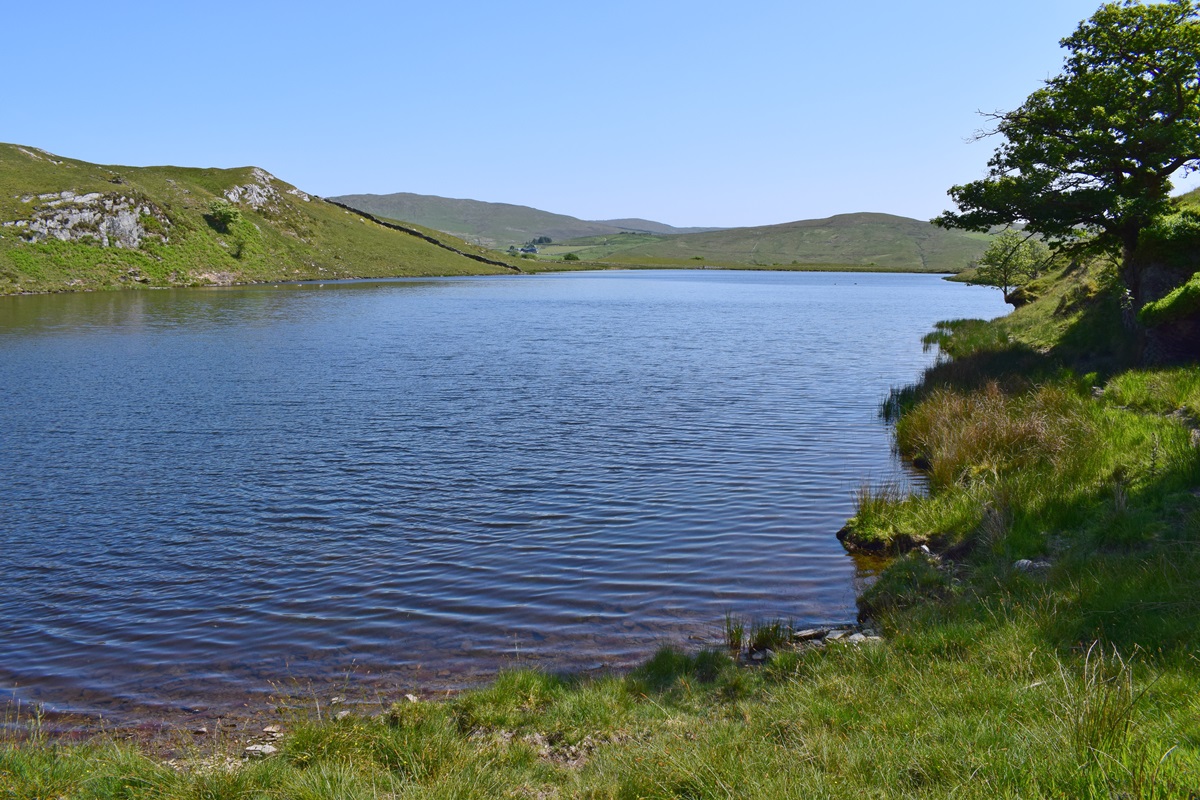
(70, 225)
(638, 225)
(496, 225)
(881, 240)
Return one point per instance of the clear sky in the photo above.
(690, 113)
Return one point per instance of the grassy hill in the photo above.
(858, 240)
(496, 225)
(71, 225)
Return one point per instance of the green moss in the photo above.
(1183, 301)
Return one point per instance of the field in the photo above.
(859, 241)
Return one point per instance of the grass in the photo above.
(1045, 645)
(878, 242)
(287, 239)
(494, 225)
(966, 710)
(875, 242)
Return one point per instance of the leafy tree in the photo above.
(1093, 151)
(222, 214)
(1011, 260)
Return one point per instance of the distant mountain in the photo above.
(496, 225)
(635, 225)
(855, 240)
(859, 240)
(71, 225)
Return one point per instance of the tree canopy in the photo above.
(1011, 260)
(1093, 151)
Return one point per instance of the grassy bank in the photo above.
(1045, 645)
(550, 264)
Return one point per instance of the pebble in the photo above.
(261, 750)
(807, 634)
(856, 638)
(341, 715)
(271, 729)
(412, 698)
(836, 636)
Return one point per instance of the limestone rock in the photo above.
(110, 220)
(260, 750)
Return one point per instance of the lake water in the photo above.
(213, 496)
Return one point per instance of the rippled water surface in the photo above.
(210, 494)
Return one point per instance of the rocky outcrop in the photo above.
(262, 192)
(108, 220)
(259, 194)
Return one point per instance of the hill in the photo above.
(864, 239)
(497, 225)
(71, 225)
(636, 225)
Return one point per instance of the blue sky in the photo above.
(691, 113)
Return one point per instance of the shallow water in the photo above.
(211, 496)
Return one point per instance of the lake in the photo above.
(217, 496)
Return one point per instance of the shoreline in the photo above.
(231, 729)
(544, 270)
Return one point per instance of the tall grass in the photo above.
(980, 435)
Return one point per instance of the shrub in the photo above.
(222, 214)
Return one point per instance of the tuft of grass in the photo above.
(734, 633)
(773, 634)
(1096, 709)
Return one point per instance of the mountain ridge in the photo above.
(858, 240)
(854, 240)
(496, 225)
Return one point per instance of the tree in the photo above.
(1093, 151)
(223, 215)
(1010, 261)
